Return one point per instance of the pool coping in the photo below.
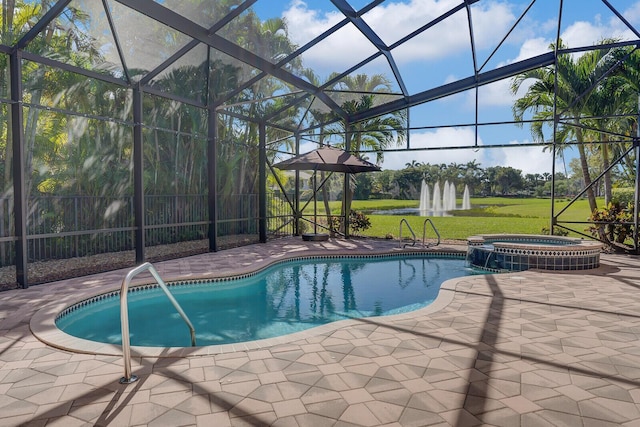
(43, 327)
(572, 244)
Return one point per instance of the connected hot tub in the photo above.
(518, 252)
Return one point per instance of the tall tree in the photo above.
(627, 122)
(374, 134)
(371, 135)
(576, 79)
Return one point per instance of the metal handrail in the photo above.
(404, 220)
(424, 232)
(124, 316)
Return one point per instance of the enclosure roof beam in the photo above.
(458, 86)
(622, 18)
(42, 23)
(373, 37)
(168, 17)
(74, 69)
(193, 43)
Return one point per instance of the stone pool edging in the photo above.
(43, 326)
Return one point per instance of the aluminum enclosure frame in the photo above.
(209, 36)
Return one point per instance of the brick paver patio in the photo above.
(530, 348)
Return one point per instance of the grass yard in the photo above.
(453, 227)
(486, 216)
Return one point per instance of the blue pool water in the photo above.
(284, 298)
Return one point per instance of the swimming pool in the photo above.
(282, 299)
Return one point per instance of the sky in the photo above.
(442, 55)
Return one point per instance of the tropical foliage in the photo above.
(79, 130)
(589, 101)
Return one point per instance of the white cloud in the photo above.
(443, 137)
(494, 94)
(583, 33)
(305, 24)
(451, 36)
(532, 47)
(338, 51)
(498, 94)
(527, 159)
(492, 19)
(632, 14)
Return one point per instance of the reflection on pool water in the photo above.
(282, 299)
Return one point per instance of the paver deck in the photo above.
(530, 348)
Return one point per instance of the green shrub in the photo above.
(303, 226)
(623, 196)
(359, 222)
(616, 214)
(335, 224)
(557, 231)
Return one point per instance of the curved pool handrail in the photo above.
(424, 232)
(404, 220)
(124, 316)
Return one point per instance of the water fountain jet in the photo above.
(441, 201)
(425, 199)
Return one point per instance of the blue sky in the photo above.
(443, 54)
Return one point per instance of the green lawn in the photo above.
(488, 215)
(454, 227)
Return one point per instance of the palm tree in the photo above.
(472, 175)
(413, 164)
(376, 134)
(320, 118)
(626, 124)
(576, 80)
(42, 85)
(607, 104)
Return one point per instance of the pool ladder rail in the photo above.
(413, 235)
(124, 316)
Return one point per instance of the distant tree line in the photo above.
(491, 181)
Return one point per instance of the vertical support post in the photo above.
(553, 179)
(262, 183)
(553, 219)
(138, 174)
(346, 192)
(636, 208)
(408, 134)
(636, 205)
(212, 156)
(19, 184)
(297, 214)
